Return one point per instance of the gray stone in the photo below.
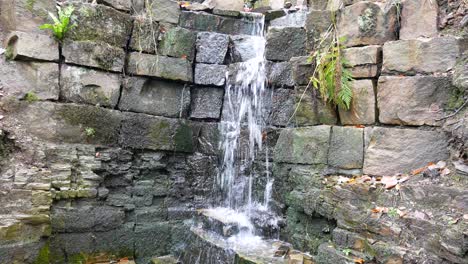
(318, 23)
(206, 102)
(346, 148)
(418, 19)
(296, 19)
(311, 109)
(274, 14)
(152, 240)
(114, 27)
(237, 5)
(155, 97)
(124, 5)
(392, 150)
(210, 74)
(21, 45)
(141, 131)
(282, 107)
(362, 110)
(81, 85)
(421, 55)
(96, 55)
(160, 66)
(164, 11)
(280, 37)
(86, 218)
(303, 145)
(364, 71)
(20, 77)
(222, 12)
(418, 100)
(460, 74)
(145, 35)
(213, 23)
(367, 23)
(211, 47)
(280, 74)
(208, 140)
(26, 15)
(244, 47)
(178, 42)
(302, 69)
(363, 55)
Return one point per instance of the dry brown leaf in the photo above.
(444, 172)
(418, 171)
(389, 181)
(358, 261)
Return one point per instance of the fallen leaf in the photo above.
(184, 56)
(389, 181)
(418, 171)
(358, 261)
(441, 164)
(444, 172)
(465, 216)
(359, 126)
(98, 154)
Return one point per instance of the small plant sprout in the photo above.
(346, 251)
(393, 213)
(61, 24)
(30, 97)
(90, 132)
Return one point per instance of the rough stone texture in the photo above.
(418, 19)
(312, 110)
(420, 56)
(177, 42)
(392, 150)
(165, 11)
(460, 74)
(206, 102)
(123, 5)
(210, 74)
(363, 55)
(367, 23)
(280, 74)
(303, 145)
(21, 45)
(317, 24)
(96, 55)
(418, 100)
(18, 78)
(81, 85)
(155, 97)
(208, 140)
(145, 35)
(211, 47)
(362, 110)
(229, 5)
(282, 107)
(302, 70)
(296, 19)
(243, 47)
(213, 23)
(346, 148)
(280, 37)
(114, 26)
(365, 71)
(25, 16)
(160, 66)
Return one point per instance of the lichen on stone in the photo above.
(367, 21)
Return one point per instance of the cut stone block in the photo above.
(206, 102)
(392, 150)
(418, 100)
(312, 110)
(302, 69)
(160, 66)
(165, 11)
(346, 148)
(367, 23)
(362, 110)
(145, 35)
(296, 19)
(210, 74)
(421, 55)
(114, 27)
(282, 107)
(363, 55)
(21, 77)
(244, 47)
(212, 47)
(303, 145)
(237, 5)
(124, 5)
(82, 85)
(207, 22)
(97, 55)
(364, 71)
(21, 45)
(280, 74)
(280, 37)
(178, 42)
(155, 97)
(26, 15)
(418, 19)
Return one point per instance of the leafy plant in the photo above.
(90, 132)
(61, 24)
(346, 251)
(30, 97)
(393, 213)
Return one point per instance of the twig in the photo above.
(454, 113)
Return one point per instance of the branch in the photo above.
(454, 113)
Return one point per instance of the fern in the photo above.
(61, 25)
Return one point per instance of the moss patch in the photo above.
(183, 138)
(160, 134)
(30, 5)
(44, 255)
(9, 52)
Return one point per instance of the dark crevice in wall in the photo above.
(125, 67)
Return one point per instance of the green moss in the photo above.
(13, 231)
(77, 259)
(44, 255)
(9, 52)
(367, 21)
(31, 97)
(160, 133)
(455, 100)
(30, 5)
(183, 138)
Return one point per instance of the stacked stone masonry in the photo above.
(109, 141)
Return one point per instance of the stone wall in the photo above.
(109, 140)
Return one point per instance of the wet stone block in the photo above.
(280, 37)
(145, 35)
(97, 55)
(160, 66)
(280, 74)
(243, 47)
(178, 42)
(206, 102)
(82, 85)
(346, 148)
(155, 97)
(211, 47)
(210, 74)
